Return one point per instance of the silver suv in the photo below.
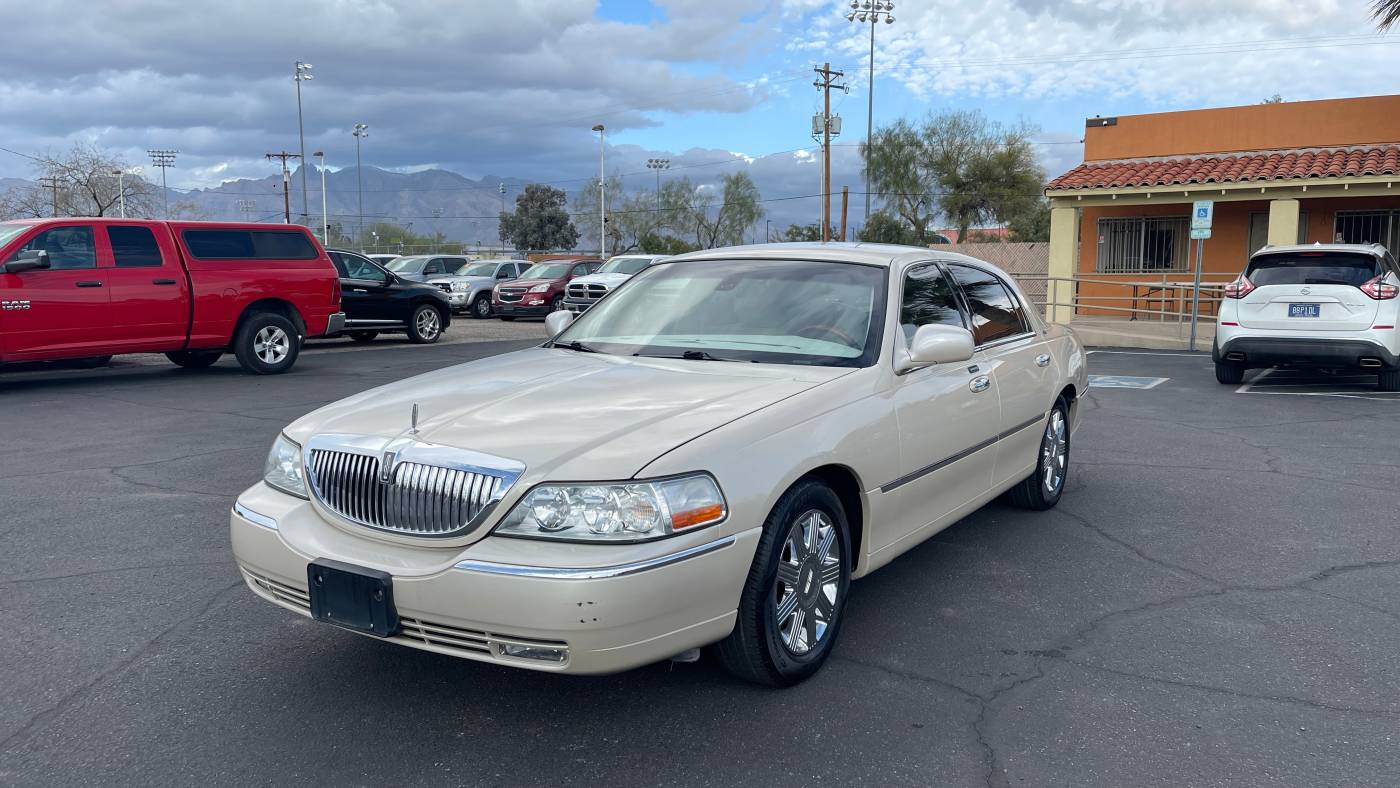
(469, 289)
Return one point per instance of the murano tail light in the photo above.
(1380, 289)
(1239, 288)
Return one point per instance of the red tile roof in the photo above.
(1278, 165)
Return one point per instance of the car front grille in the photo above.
(419, 499)
(445, 287)
(587, 292)
(511, 293)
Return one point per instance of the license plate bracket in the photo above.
(1305, 310)
(353, 597)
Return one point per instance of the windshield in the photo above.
(547, 271)
(1312, 268)
(479, 269)
(11, 230)
(406, 265)
(779, 312)
(625, 265)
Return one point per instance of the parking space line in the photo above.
(1246, 387)
(1143, 353)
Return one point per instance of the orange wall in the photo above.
(1298, 124)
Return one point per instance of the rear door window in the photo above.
(996, 314)
(1313, 268)
(134, 247)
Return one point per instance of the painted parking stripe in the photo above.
(1124, 382)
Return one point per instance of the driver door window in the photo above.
(69, 248)
(929, 299)
(434, 266)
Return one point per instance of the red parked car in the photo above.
(540, 290)
(95, 288)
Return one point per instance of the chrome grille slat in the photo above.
(421, 498)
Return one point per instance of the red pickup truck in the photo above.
(94, 288)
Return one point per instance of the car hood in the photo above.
(530, 282)
(608, 280)
(474, 281)
(564, 414)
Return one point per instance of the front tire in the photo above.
(266, 344)
(1229, 374)
(425, 327)
(481, 307)
(194, 359)
(556, 303)
(363, 336)
(1043, 488)
(791, 609)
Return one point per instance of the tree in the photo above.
(960, 164)
(631, 218)
(723, 223)
(661, 243)
(1031, 224)
(87, 185)
(540, 220)
(1386, 13)
(882, 228)
(808, 233)
(1274, 99)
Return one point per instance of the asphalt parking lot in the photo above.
(1214, 602)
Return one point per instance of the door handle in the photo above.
(1042, 360)
(88, 283)
(980, 384)
(358, 290)
(163, 281)
(974, 369)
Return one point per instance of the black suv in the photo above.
(376, 300)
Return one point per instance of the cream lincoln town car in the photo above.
(707, 456)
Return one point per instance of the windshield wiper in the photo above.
(688, 355)
(576, 346)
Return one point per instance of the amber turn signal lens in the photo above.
(694, 517)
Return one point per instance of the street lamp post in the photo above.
(361, 131)
(500, 221)
(121, 191)
(602, 196)
(303, 73)
(767, 236)
(325, 217)
(865, 10)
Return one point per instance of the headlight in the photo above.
(539, 288)
(283, 469)
(460, 286)
(627, 512)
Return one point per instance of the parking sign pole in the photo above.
(1196, 297)
(1202, 216)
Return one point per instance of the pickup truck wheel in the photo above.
(791, 608)
(194, 359)
(363, 336)
(481, 307)
(425, 327)
(266, 344)
(1043, 488)
(90, 363)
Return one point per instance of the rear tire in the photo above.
(90, 363)
(194, 359)
(425, 326)
(803, 560)
(266, 344)
(1043, 488)
(1229, 374)
(1389, 381)
(481, 307)
(363, 336)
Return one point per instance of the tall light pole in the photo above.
(325, 217)
(500, 222)
(121, 190)
(164, 159)
(361, 131)
(873, 12)
(602, 196)
(658, 165)
(303, 73)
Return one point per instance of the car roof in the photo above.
(1375, 250)
(884, 255)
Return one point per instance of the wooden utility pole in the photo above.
(51, 182)
(845, 199)
(825, 84)
(286, 182)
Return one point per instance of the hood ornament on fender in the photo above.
(413, 421)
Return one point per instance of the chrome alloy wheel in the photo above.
(271, 345)
(1054, 452)
(808, 582)
(429, 324)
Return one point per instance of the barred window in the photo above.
(1134, 245)
(1369, 227)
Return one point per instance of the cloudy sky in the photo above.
(512, 88)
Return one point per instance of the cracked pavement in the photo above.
(1214, 602)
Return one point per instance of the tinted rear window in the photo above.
(249, 245)
(1312, 268)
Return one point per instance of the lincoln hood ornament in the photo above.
(413, 421)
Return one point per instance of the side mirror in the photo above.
(556, 322)
(936, 344)
(28, 261)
